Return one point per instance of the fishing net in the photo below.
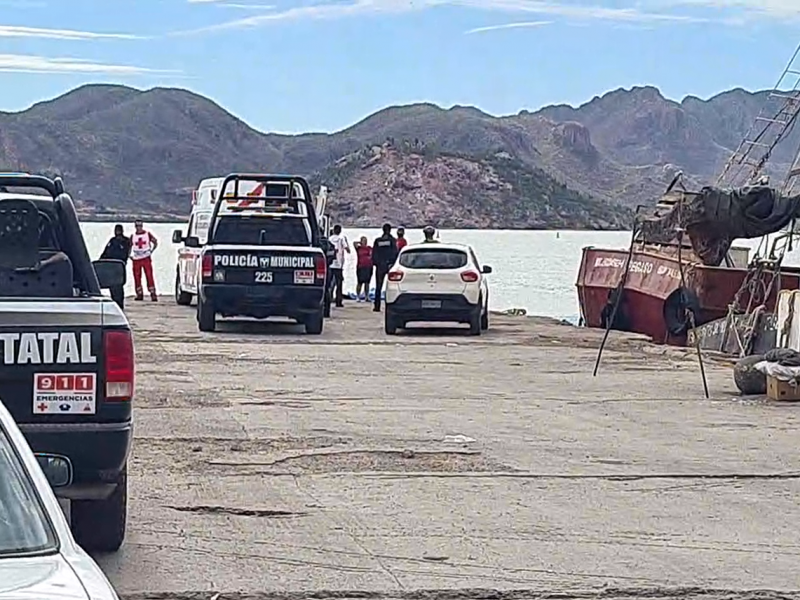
(713, 218)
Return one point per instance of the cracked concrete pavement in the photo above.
(268, 463)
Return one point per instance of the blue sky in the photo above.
(321, 65)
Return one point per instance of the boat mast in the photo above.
(773, 124)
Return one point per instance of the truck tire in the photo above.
(99, 525)
(475, 321)
(181, 297)
(326, 311)
(206, 320)
(314, 323)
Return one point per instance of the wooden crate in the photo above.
(781, 390)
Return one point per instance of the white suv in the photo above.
(437, 282)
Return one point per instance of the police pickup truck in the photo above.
(66, 353)
(265, 254)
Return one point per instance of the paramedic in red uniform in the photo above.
(143, 243)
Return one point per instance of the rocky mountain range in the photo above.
(125, 152)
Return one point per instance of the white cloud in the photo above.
(571, 9)
(26, 63)
(13, 31)
(521, 24)
(227, 4)
(738, 9)
(22, 4)
(248, 6)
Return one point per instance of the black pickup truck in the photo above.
(66, 354)
(265, 255)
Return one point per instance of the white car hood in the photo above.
(48, 577)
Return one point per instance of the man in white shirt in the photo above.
(341, 246)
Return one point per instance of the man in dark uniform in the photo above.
(384, 253)
(118, 248)
(430, 234)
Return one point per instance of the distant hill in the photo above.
(126, 151)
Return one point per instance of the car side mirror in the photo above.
(177, 237)
(110, 272)
(486, 270)
(57, 469)
(192, 241)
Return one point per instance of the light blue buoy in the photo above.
(370, 295)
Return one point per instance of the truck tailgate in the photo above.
(52, 367)
(268, 265)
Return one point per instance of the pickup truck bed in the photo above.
(66, 355)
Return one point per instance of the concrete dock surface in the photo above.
(273, 464)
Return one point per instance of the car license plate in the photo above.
(304, 277)
(431, 304)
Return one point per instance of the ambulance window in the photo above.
(201, 226)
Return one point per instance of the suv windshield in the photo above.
(24, 528)
(266, 231)
(430, 258)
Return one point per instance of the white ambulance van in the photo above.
(204, 198)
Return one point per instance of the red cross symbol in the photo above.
(141, 243)
(257, 191)
(42, 407)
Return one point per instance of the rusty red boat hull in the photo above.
(653, 278)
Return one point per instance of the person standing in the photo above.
(363, 268)
(401, 238)
(430, 235)
(143, 244)
(118, 248)
(340, 246)
(384, 253)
